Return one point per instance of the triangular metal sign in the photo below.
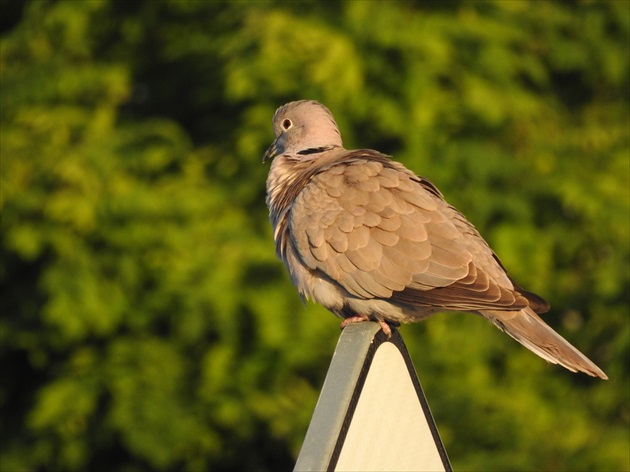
(372, 413)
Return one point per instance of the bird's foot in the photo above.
(358, 319)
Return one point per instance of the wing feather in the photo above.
(378, 231)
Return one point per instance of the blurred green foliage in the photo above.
(146, 323)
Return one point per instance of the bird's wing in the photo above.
(377, 230)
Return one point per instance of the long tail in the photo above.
(532, 332)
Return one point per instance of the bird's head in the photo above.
(302, 129)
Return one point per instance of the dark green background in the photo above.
(146, 322)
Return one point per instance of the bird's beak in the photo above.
(270, 153)
(277, 147)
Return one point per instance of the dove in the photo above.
(370, 240)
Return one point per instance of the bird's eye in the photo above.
(286, 124)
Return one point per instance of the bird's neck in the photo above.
(285, 179)
(288, 175)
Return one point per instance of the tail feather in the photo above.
(531, 331)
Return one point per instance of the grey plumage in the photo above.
(367, 238)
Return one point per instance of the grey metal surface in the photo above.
(330, 411)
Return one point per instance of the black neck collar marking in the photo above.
(305, 152)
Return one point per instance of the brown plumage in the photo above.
(368, 239)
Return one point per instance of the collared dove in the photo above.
(368, 239)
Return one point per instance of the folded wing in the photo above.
(377, 230)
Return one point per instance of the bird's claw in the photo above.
(358, 319)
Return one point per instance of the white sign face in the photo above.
(389, 430)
